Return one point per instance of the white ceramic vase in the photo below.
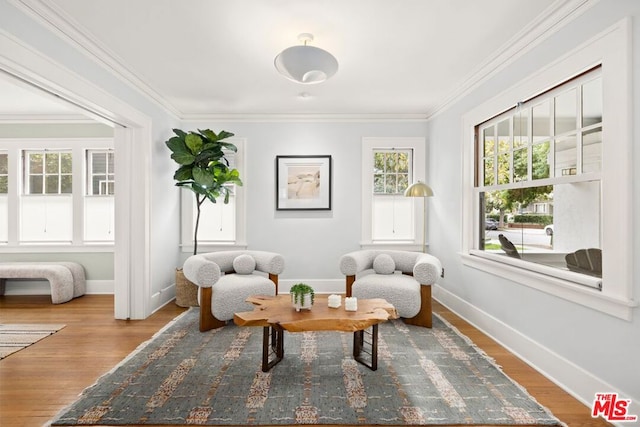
(302, 304)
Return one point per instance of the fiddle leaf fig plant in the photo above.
(203, 169)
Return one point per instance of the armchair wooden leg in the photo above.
(424, 316)
(207, 321)
(349, 284)
(274, 279)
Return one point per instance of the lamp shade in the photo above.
(306, 64)
(418, 189)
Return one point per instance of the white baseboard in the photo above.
(42, 287)
(576, 381)
(163, 297)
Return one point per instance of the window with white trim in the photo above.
(539, 165)
(610, 50)
(46, 210)
(46, 192)
(389, 166)
(99, 199)
(220, 223)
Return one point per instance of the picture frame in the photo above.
(303, 182)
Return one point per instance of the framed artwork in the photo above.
(303, 182)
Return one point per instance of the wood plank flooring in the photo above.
(39, 381)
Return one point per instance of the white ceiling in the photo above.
(202, 58)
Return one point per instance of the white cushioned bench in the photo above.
(67, 279)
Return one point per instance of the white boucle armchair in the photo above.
(403, 278)
(226, 279)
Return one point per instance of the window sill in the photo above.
(213, 247)
(393, 246)
(57, 248)
(589, 297)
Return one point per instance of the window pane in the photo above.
(378, 162)
(35, 163)
(520, 128)
(4, 164)
(35, 184)
(65, 184)
(548, 222)
(520, 165)
(489, 141)
(390, 184)
(488, 171)
(540, 160)
(111, 160)
(392, 218)
(403, 163)
(403, 182)
(566, 156)
(390, 163)
(51, 184)
(66, 165)
(378, 183)
(99, 163)
(565, 112)
(592, 102)
(592, 150)
(4, 184)
(503, 136)
(46, 219)
(503, 169)
(541, 122)
(98, 219)
(52, 163)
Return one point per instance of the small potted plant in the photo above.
(301, 296)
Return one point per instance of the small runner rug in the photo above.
(425, 376)
(15, 337)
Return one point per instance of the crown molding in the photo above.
(304, 117)
(44, 118)
(556, 16)
(65, 27)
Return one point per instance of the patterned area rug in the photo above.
(15, 337)
(425, 376)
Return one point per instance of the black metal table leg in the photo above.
(272, 343)
(359, 347)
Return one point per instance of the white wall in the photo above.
(310, 241)
(592, 352)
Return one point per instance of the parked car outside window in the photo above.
(490, 224)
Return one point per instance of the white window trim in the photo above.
(418, 145)
(612, 49)
(186, 208)
(14, 147)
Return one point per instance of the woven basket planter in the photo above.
(186, 291)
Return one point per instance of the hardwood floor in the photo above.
(37, 382)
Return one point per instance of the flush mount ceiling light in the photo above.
(306, 64)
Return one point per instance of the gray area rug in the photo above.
(16, 336)
(425, 376)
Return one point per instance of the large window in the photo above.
(220, 223)
(99, 200)
(538, 179)
(553, 175)
(56, 191)
(389, 166)
(46, 212)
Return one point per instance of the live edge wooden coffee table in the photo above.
(276, 315)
